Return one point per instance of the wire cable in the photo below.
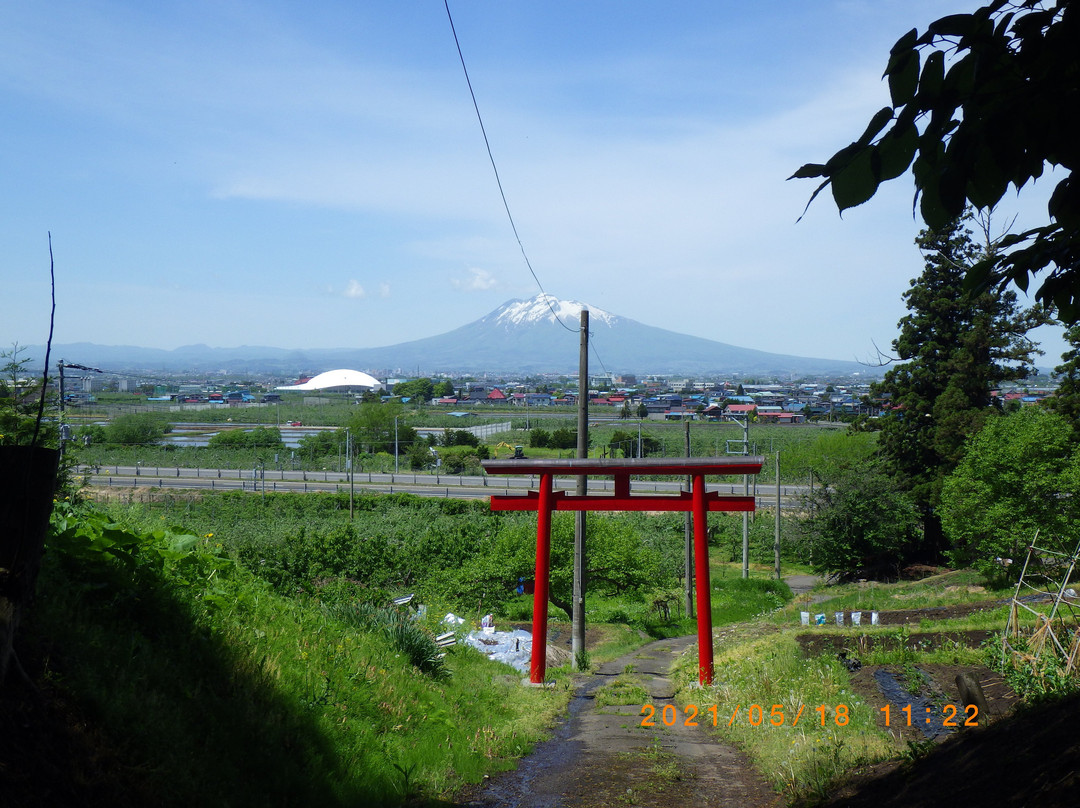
(495, 169)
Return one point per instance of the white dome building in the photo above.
(345, 381)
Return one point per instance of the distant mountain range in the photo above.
(533, 336)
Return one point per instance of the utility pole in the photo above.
(746, 530)
(776, 537)
(60, 368)
(348, 468)
(689, 541)
(578, 628)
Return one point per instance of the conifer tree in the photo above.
(955, 349)
(1066, 401)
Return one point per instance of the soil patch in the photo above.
(929, 687)
(857, 645)
(907, 617)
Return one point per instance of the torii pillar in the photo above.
(699, 501)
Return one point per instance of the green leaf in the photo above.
(932, 80)
(952, 25)
(903, 76)
(809, 171)
(960, 80)
(896, 151)
(855, 183)
(987, 182)
(877, 123)
(931, 208)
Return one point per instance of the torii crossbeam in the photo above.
(698, 502)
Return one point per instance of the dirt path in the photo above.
(602, 756)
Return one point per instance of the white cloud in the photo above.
(479, 280)
(354, 290)
(384, 290)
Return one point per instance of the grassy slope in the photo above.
(244, 697)
(760, 662)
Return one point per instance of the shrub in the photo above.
(404, 633)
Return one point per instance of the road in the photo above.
(428, 485)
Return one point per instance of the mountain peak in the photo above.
(545, 308)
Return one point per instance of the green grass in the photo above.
(948, 588)
(217, 690)
(800, 750)
(625, 689)
(759, 662)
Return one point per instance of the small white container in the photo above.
(873, 618)
(856, 618)
(804, 618)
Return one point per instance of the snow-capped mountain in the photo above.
(539, 335)
(519, 313)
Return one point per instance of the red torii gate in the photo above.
(698, 501)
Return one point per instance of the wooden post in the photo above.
(577, 629)
(689, 540)
(745, 531)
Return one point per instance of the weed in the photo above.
(913, 679)
(406, 786)
(916, 750)
(663, 765)
(624, 690)
(581, 662)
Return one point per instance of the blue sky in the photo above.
(313, 174)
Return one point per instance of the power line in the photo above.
(495, 169)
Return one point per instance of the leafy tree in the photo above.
(321, 443)
(1019, 476)
(1066, 400)
(642, 411)
(1007, 106)
(563, 438)
(134, 429)
(955, 349)
(539, 438)
(90, 434)
(373, 427)
(260, 437)
(420, 456)
(462, 459)
(19, 400)
(459, 437)
(622, 442)
(443, 389)
(863, 524)
(415, 389)
(618, 560)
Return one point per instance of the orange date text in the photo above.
(754, 715)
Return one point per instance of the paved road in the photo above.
(603, 756)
